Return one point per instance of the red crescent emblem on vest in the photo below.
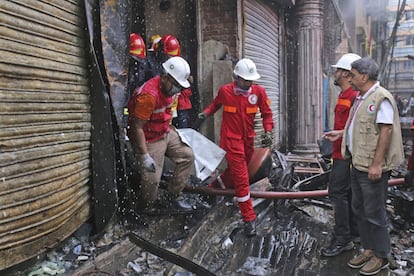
(371, 108)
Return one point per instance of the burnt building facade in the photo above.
(63, 71)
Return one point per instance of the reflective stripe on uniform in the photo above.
(159, 110)
(243, 198)
(250, 110)
(231, 109)
(344, 102)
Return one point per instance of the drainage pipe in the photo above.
(272, 194)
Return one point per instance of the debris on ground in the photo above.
(290, 235)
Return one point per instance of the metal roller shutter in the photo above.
(45, 126)
(261, 44)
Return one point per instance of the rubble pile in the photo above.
(290, 235)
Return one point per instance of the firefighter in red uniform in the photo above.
(137, 67)
(241, 100)
(152, 137)
(345, 228)
(163, 48)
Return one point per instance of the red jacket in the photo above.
(239, 111)
(342, 107)
(149, 103)
(184, 101)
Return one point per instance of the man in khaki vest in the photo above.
(372, 138)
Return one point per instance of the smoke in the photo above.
(376, 8)
(351, 9)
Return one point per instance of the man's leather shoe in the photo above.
(182, 204)
(360, 260)
(250, 228)
(336, 248)
(374, 265)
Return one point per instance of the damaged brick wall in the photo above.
(219, 23)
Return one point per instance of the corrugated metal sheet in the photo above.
(261, 44)
(45, 126)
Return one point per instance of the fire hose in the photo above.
(185, 263)
(273, 194)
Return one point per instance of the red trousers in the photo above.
(236, 175)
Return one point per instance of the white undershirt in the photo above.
(385, 114)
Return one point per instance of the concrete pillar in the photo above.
(310, 76)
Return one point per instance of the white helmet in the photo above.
(179, 69)
(345, 61)
(246, 69)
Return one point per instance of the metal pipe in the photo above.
(396, 181)
(272, 194)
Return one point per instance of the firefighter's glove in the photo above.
(199, 121)
(202, 115)
(267, 139)
(147, 162)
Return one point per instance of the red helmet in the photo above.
(171, 45)
(137, 45)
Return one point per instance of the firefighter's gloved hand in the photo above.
(199, 121)
(267, 139)
(148, 162)
(202, 115)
